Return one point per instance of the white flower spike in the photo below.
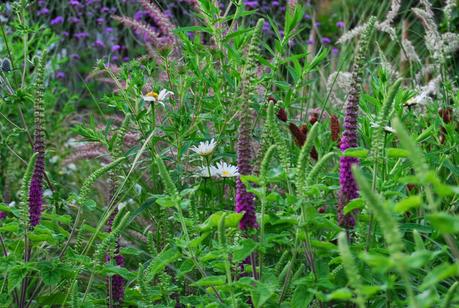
(205, 148)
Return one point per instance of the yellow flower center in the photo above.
(225, 173)
(152, 94)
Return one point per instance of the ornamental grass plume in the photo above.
(348, 187)
(245, 200)
(36, 183)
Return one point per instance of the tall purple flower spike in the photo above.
(36, 183)
(244, 200)
(348, 186)
(118, 281)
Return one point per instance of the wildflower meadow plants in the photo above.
(254, 154)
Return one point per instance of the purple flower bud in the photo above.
(81, 35)
(251, 4)
(115, 58)
(139, 15)
(60, 75)
(75, 3)
(317, 24)
(275, 3)
(104, 10)
(74, 20)
(99, 44)
(340, 24)
(58, 20)
(75, 56)
(335, 51)
(100, 20)
(126, 59)
(116, 48)
(306, 16)
(266, 27)
(43, 11)
(108, 30)
(310, 42)
(65, 33)
(326, 40)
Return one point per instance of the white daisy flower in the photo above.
(225, 170)
(121, 205)
(157, 98)
(48, 193)
(205, 148)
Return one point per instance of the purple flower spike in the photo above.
(118, 281)
(74, 20)
(99, 44)
(36, 183)
(43, 11)
(139, 15)
(81, 35)
(60, 75)
(340, 24)
(348, 186)
(326, 40)
(116, 48)
(251, 4)
(75, 56)
(58, 20)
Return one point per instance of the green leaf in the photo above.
(246, 247)
(49, 273)
(302, 297)
(231, 220)
(10, 227)
(111, 269)
(166, 202)
(16, 275)
(186, 267)
(379, 262)
(262, 292)
(89, 204)
(407, 204)
(210, 281)
(158, 264)
(444, 222)
(5, 208)
(129, 251)
(197, 241)
(356, 152)
(438, 274)
(340, 294)
(52, 299)
(353, 205)
(397, 153)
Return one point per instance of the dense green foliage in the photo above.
(141, 194)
